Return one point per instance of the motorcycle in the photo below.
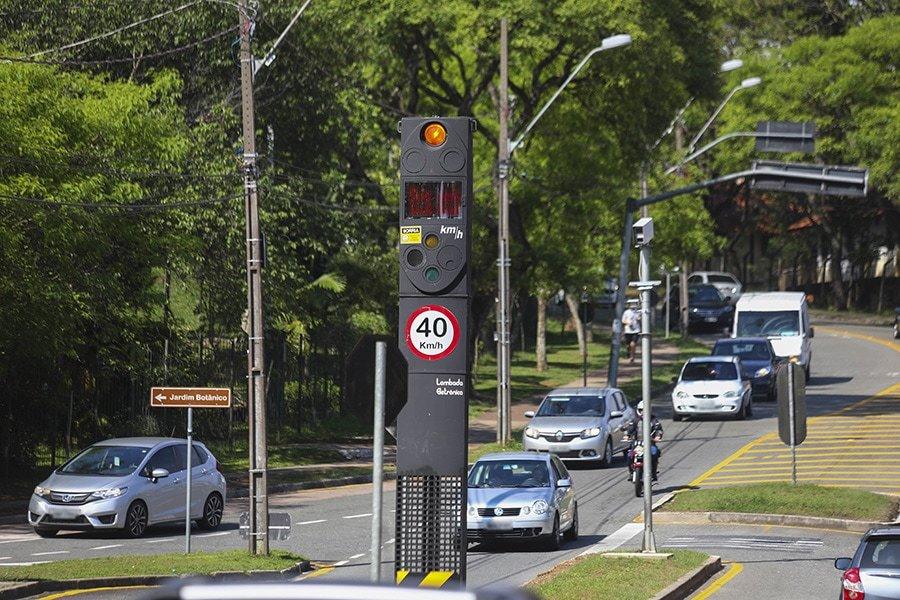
(636, 464)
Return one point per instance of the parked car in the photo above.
(727, 284)
(712, 385)
(783, 317)
(579, 424)
(707, 308)
(129, 484)
(873, 572)
(759, 363)
(521, 495)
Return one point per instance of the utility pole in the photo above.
(504, 429)
(256, 380)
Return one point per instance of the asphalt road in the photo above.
(332, 526)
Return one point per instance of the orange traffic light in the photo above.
(434, 134)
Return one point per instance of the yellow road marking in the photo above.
(70, 593)
(715, 586)
(847, 477)
(320, 571)
(730, 459)
(860, 336)
(436, 578)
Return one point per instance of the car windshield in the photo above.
(705, 293)
(114, 461)
(709, 371)
(509, 474)
(769, 323)
(720, 279)
(746, 350)
(572, 406)
(881, 552)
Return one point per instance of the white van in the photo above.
(780, 316)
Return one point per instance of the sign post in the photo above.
(432, 427)
(792, 411)
(190, 398)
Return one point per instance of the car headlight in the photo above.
(41, 491)
(693, 310)
(589, 433)
(110, 493)
(731, 394)
(763, 372)
(795, 360)
(681, 394)
(531, 432)
(539, 507)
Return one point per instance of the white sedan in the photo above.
(712, 385)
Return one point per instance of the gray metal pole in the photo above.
(256, 381)
(649, 544)
(668, 291)
(624, 258)
(791, 422)
(187, 501)
(684, 299)
(378, 461)
(503, 262)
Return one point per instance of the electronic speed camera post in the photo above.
(432, 427)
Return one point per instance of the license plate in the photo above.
(64, 513)
(711, 319)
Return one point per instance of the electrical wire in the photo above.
(111, 61)
(111, 205)
(101, 170)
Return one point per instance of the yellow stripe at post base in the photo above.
(433, 579)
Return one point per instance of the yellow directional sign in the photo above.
(167, 397)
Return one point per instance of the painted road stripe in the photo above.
(208, 535)
(71, 593)
(355, 556)
(340, 563)
(159, 541)
(733, 570)
(615, 539)
(107, 547)
(25, 564)
(860, 336)
(312, 522)
(390, 541)
(5, 557)
(358, 516)
(50, 553)
(19, 539)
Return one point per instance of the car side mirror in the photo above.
(842, 563)
(529, 414)
(615, 414)
(674, 378)
(157, 474)
(564, 483)
(812, 331)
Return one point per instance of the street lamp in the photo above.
(506, 148)
(731, 65)
(744, 85)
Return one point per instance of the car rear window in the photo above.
(709, 371)
(881, 552)
(720, 279)
(199, 455)
(746, 350)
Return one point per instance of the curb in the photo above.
(699, 518)
(691, 581)
(311, 485)
(31, 588)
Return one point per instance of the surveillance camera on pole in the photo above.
(643, 232)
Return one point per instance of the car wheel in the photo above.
(554, 540)
(572, 534)
(806, 374)
(748, 412)
(46, 533)
(136, 519)
(676, 417)
(608, 454)
(212, 512)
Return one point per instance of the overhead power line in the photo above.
(117, 30)
(96, 167)
(117, 206)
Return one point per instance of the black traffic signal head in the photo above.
(435, 204)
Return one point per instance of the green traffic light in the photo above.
(432, 274)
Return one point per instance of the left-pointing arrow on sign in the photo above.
(160, 397)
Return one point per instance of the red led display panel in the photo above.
(433, 200)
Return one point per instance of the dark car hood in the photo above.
(749, 367)
(709, 305)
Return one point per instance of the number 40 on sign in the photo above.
(432, 332)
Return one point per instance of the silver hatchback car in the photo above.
(579, 424)
(129, 484)
(521, 495)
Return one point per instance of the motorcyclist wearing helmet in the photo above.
(634, 430)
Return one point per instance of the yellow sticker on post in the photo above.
(411, 234)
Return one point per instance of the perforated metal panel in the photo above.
(431, 527)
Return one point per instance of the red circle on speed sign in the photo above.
(432, 332)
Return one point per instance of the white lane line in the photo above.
(159, 541)
(49, 553)
(24, 538)
(358, 516)
(390, 541)
(25, 564)
(206, 535)
(615, 539)
(311, 522)
(5, 557)
(107, 547)
(340, 563)
(355, 556)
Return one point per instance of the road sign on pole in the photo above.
(810, 179)
(786, 136)
(791, 385)
(432, 427)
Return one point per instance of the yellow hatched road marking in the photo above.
(860, 336)
(819, 468)
(848, 477)
(70, 593)
(733, 570)
(814, 461)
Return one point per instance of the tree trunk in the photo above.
(572, 303)
(540, 344)
(837, 278)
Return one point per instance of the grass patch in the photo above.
(235, 458)
(785, 499)
(595, 578)
(662, 374)
(514, 445)
(200, 563)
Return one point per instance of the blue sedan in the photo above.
(759, 363)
